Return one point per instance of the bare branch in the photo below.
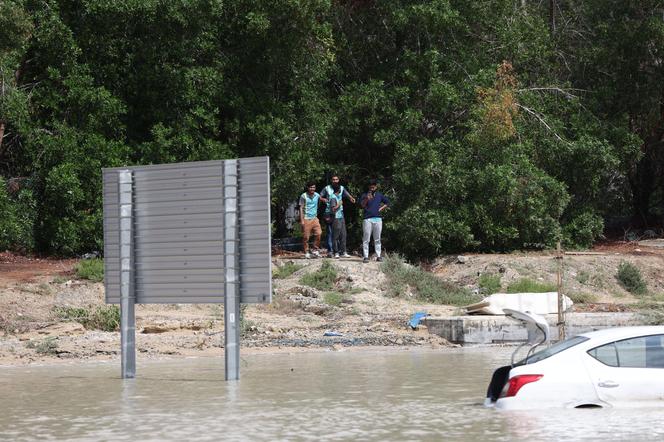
(541, 120)
(564, 92)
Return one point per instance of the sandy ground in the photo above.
(33, 290)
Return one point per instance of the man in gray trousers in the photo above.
(339, 223)
(373, 203)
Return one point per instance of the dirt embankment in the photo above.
(357, 312)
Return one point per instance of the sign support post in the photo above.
(127, 283)
(231, 272)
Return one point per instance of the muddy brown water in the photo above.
(372, 395)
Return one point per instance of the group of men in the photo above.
(372, 202)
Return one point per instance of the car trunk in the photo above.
(498, 381)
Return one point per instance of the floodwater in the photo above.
(370, 395)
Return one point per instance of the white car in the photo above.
(616, 367)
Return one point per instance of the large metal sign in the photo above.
(187, 233)
(178, 219)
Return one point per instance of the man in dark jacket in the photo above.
(373, 203)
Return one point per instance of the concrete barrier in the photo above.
(501, 329)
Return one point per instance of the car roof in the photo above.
(617, 333)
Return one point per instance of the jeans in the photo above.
(339, 236)
(370, 228)
(329, 227)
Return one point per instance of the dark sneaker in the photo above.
(365, 260)
(379, 259)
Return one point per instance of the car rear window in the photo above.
(554, 349)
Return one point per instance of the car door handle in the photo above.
(608, 384)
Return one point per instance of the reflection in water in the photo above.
(418, 395)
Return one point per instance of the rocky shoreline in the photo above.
(359, 312)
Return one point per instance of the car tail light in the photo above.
(515, 383)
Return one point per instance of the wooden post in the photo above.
(561, 304)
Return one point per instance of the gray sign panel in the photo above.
(177, 219)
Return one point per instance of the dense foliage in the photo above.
(493, 125)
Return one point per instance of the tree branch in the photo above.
(554, 89)
(541, 120)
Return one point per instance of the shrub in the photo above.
(323, 279)
(17, 219)
(105, 317)
(77, 314)
(58, 279)
(423, 232)
(652, 313)
(630, 278)
(26, 215)
(283, 305)
(286, 270)
(583, 277)
(428, 287)
(47, 346)
(399, 274)
(582, 297)
(8, 223)
(526, 285)
(245, 324)
(489, 284)
(582, 230)
(333, 298)
(59, 214)
(92, 269)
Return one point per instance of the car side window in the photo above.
(655, 351)
(641, 352)
(606, 354)
(632, 353)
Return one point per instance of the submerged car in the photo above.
(616, 367)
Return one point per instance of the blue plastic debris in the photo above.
(415, 320)
(332, 333)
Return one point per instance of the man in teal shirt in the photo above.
(309, 202)
(339, 223)
(329, 218)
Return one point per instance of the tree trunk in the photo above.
(2, 134)
(552, 16)
(281, 230)
(643, 186)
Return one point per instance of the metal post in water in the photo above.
(127, 286)
(232, 272)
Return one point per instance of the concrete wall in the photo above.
(501, 329)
